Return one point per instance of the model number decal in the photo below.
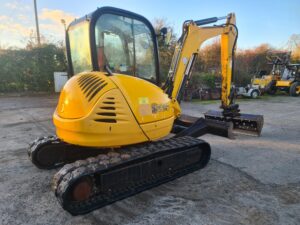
(156, 108)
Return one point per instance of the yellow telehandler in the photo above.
(284, 76)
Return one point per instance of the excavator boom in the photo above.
(186, 52)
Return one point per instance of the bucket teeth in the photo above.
(248, 124)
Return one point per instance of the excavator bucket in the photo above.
(248, 124)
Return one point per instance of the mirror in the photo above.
(166, 34)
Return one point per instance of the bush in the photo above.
(203, 79)
(30, 69)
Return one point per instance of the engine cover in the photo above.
(110, 111)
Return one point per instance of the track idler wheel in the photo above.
(82, 189)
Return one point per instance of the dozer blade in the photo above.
(187, 125)
(248, 124)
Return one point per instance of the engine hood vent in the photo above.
(90, 85)
(107, 111)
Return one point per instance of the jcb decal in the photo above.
(156, 108)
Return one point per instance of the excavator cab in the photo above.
(113, 41)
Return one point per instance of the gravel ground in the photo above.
(249, 180)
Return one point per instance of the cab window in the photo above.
(80, 47)
(125, 45)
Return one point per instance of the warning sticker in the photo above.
(143, 100)
(144, 106)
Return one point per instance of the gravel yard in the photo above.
(250, 180)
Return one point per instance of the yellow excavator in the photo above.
(118, 132)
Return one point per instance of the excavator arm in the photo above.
(186, 52)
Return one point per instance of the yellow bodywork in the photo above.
(127, 110)
(262, 82)
(101, 110)
(283, 83)
(265, 80)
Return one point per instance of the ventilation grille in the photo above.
(112, 110)
(107, 111)
(91, 85)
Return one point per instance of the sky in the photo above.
(259, 21)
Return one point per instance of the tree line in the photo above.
(248, 63)
(31, 69)
(207, 69)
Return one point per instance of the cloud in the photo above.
(52, 32)
(14, 34)
(3, 18)
(16, 23)
(15, 5)
(16, 30)
(55, 16)
(13, 31)
(50, 23)
(11, 5)
(23, 18)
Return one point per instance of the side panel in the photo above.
(109, 124)
(147, 101)
(158, 129)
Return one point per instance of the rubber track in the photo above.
(37, 144)
(58, 151)
(104, 163)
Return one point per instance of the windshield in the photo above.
(125, 45)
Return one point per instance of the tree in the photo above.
(249, 62)
(294, 47)
(209, 58)
(165, 52)
(30, 69)
(207, 68)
